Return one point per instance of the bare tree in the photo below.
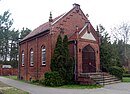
(122, 32)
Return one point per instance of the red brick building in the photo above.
(37, 47)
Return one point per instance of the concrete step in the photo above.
(108, 79)
(101, 78)
(108, 83)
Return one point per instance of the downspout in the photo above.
(75, 68)
(37, 57)
(26, 67)
(19, 49)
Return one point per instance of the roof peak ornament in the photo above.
(50, 18)
(76, 5)
(87, 15)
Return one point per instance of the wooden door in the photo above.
(88, 60)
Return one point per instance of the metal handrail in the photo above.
(100, 70)
(102, 73)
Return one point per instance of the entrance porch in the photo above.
(88, 60)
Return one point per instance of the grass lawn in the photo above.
(6, 89)
(65, 86)
(126, 79)
(11, 77)
(13, 91)
(80, 86)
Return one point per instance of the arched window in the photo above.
(22, 58)
(43, 57)
(31, 57)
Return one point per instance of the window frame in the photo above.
(43, 55)
(31, 57)
(23, 58)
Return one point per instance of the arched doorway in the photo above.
(88, 59)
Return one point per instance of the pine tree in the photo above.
(68, 62)
(61, 61)
(56, 61)
(5, 25)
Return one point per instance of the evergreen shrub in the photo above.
(61, 60)
(117, 71)
(53, 79)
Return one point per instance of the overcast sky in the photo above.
(32, 13)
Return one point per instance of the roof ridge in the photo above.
(40, 28)
(45, 26)
(63, 15)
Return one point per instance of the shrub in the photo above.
(53, 79)
(126, 75)
(35, 81)
(41, 81)
(126, 70)
(117, 71)
(61, 60)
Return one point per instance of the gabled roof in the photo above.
(88, 32)
(41, 28)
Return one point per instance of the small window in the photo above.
(22, 58)
(31, 57)
(43, 56)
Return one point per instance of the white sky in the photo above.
(32, 13)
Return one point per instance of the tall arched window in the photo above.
(22, 58)
(43, 57)
(31, 57)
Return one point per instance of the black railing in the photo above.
(102, 73)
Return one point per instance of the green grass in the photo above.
(6, 89)
(13, 91)
(80, 86)
(126, 75)
(126, 79)
(11, 77)
(2, 85)
(65, 86)
(16, 78)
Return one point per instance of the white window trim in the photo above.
(22, 58)
(43, 50)
(31, 57)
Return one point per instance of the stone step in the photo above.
(108, 80)
(108, 83)
(101, 78)
(105, 79)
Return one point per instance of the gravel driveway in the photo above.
(120, 88)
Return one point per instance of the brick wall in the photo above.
(8, 71)
(36, 71)
(71, 23)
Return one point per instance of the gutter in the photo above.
(34, 36)
(75, 48)
(75, 58)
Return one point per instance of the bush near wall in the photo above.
(53, 79)
(117, 71)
